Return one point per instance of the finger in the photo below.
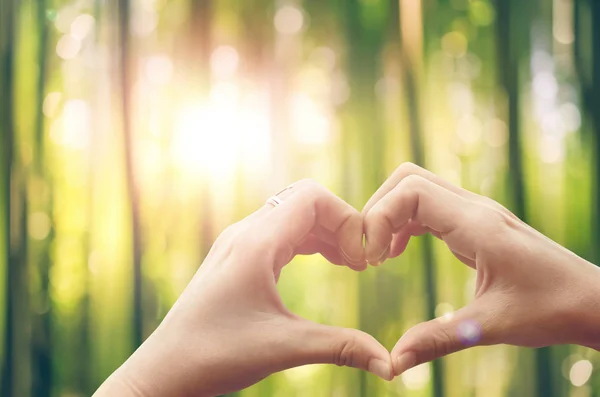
(314, 245)
(423, 202)
(311, 207)
(407, 169)
(322, 344)
(402, 237)
(433, 339)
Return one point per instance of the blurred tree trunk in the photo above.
(126, 83)
(513, 24)
(594, 113)
(16, 366)
(408, 58)
(42, 317)
(7, 132)
(363, 132)
(200, 50)
(585, 48)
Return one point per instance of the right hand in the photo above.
(530, 291)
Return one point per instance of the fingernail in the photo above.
(381, 257)
(380, 368)
(405, 361)
(352, 262)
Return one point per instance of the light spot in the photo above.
(302, 374)
(224, 94)
(310, 125)
(144, 22)
(289, 20)
(469, 129)
(224, 61)
(562, 24)
(580, 373)
(51, 103)
(94, 262)
(541, 61)
(82, 26)
(38, 225)
(340, 90)
(496, 133)
(68, 47)
(469, 332)
(72, 128)
(385, 87)
(159, 69)
(551, 149)
(481, 13)
(444, 311)
(65, 18)
(323, 57)
(545, 85)
(454, 44)
(460, 98)
(571, 116)
(417, 377)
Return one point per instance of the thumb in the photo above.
(323, 344)
(433, 339)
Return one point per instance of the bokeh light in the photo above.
(580, 372)
(289, 20)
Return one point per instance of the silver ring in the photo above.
(274, 201)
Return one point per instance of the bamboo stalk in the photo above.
(7, 33)
(42, 330)
(125, 79)
(595, 115)
(408, 58)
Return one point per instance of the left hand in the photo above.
(529, 290)
(229, 329)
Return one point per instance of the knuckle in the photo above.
(408, 168)
(441, 343)
(312, 189)
(228, 236)
(345, 353)
(250, 245)
(413, 182)
(309, 184)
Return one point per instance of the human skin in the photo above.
(229, 329)
(530, 291)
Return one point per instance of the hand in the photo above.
(229, 328)
(530, 291)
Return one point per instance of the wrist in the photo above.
(167, 365)
(162, 366)
(586, 320)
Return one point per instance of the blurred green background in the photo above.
(134, 131)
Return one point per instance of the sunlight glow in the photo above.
(311, 126)
(72, 128)
(159, 69)
(224, 61)
(216, 137)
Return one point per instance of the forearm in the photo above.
(157, 369)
